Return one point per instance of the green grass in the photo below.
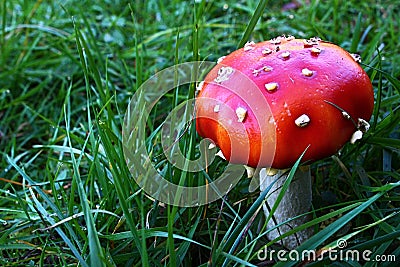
(67, 73)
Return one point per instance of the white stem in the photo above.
(296, 201)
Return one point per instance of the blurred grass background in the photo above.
(67, 72)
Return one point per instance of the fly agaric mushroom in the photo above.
(318, 97)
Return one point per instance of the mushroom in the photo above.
(315, 96)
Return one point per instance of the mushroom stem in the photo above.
(295, 201)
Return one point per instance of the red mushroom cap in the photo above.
(313, 94)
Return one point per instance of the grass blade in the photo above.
(253, 22)
(47, 215)
(236, 235)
